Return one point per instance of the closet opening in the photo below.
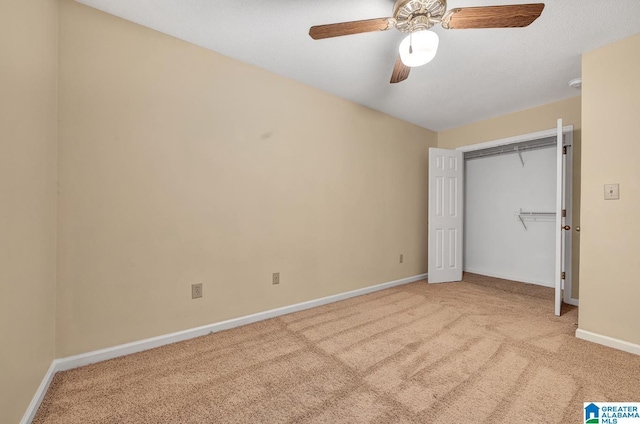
(503, 209)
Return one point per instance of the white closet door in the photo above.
(446, 169)
(559, 220)
(568, 206)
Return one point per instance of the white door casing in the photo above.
(559, 220)
(446, 177)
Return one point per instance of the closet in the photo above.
(509, 215)
(503, 209)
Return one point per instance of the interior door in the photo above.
(568, 221)
(446, 172)
(559, 220)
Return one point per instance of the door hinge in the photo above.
(564, 213)
(564, 150)
(563, 275)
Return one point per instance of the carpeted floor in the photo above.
(483, 350)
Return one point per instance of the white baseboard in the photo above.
(572, 301)
(511, 278)
(608, 341)
(39, 396)
(76, 361)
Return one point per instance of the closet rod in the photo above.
(513, 148)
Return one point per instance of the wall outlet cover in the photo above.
(196, 291)
(611, 191)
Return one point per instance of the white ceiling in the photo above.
(476, 75)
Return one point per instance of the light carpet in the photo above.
(483, 350)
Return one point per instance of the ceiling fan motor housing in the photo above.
(417, 15)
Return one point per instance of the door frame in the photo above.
(567, 132)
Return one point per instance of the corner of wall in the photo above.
(28, 173)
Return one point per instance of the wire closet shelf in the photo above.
(534, 215)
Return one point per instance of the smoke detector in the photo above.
(576, 83)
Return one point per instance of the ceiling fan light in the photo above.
(424, 47)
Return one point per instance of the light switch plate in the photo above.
(611, 191)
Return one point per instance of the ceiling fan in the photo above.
(416, 17)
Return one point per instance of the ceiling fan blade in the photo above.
(347, 28)
(510, 16)
(400, 72)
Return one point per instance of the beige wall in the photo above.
(179, 165)
(524, 122)
(611, 229)
(28, 75)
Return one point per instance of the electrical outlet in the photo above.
(196, 290)
(401, 258)
(276, 278)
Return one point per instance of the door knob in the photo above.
(578, 228)
(566, 227)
